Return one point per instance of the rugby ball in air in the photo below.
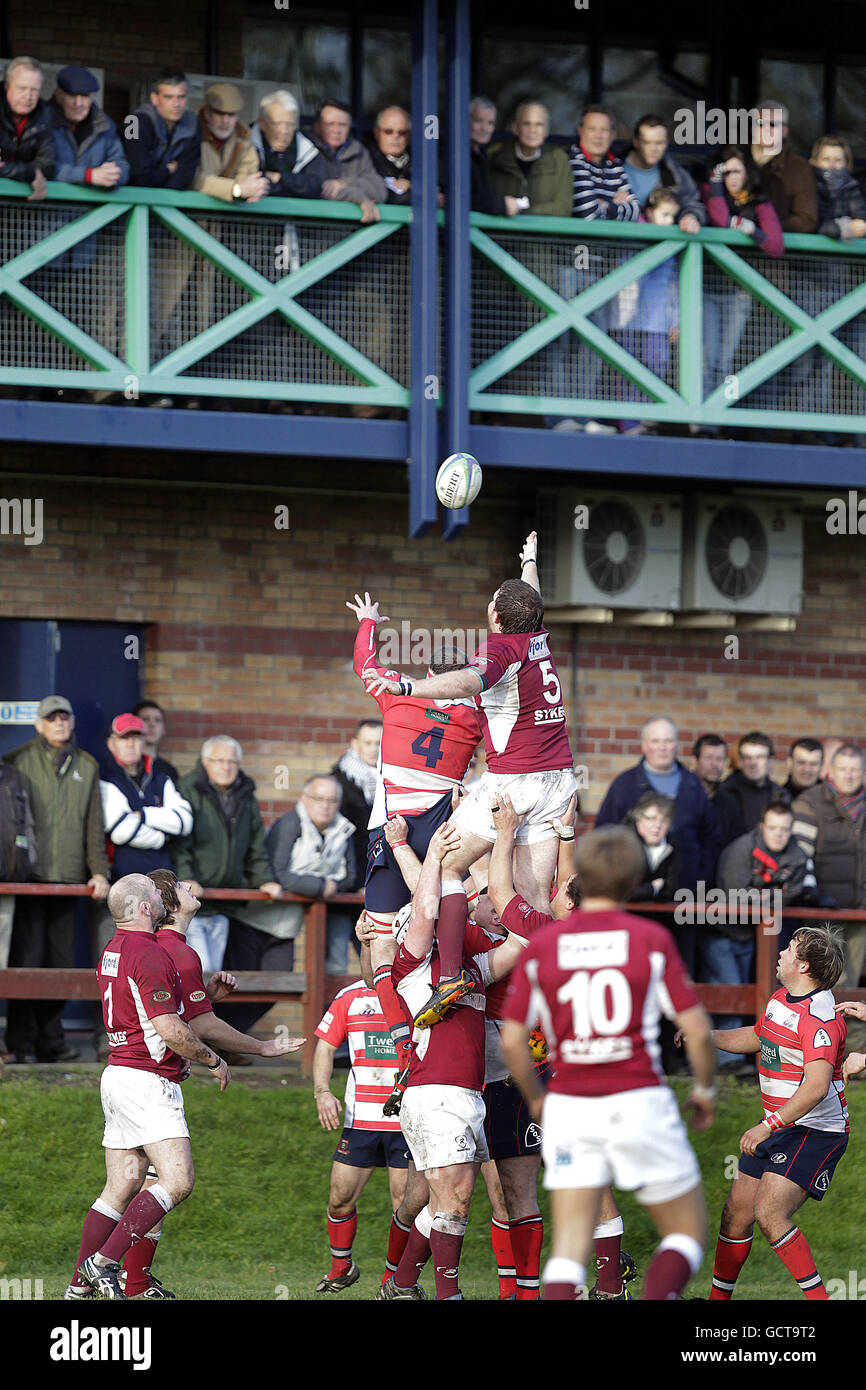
(458, 481)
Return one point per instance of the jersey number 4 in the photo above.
(430, 744)
(600, 1002)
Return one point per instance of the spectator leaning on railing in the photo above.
(645, 315)
(529, 168)
(144, 812)
(388, 146)
(647, 169)
(87, 147)
(62, 784)
(288, 159)
(350, 176)
(26, 146)
(162, 138)
(228, 166)
(786, 175)
(482, 123)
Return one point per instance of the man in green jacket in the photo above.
(226, 849)
(62, 785)
(538, 175)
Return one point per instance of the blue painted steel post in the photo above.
(458, 286)
(423, 429)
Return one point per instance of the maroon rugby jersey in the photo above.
(599, 983)
(188, 965)
(452, 1052)
(520, 707)
(138, 981)
(518, 917)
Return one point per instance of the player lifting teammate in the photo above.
(517, 691)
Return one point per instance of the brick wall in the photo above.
(248, 630)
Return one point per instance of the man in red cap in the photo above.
(143, 809)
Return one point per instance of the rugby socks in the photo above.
(451, 928)
(417, 1251)
(341, 1236)
(505, 1262)
(731, 1255)
(99, 1222)
(143, 1212)
(137, 1262)
(607, 1239)
(397, 1238)
(446, 1242)
(397, 1019)
(793, 1250)
(671, 1267)
(527, 1237)
(563, 1280)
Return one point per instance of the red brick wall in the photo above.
(249, 632)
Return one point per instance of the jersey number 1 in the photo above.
(107, 997)
(430, 744)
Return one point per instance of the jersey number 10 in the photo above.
(600, 1002)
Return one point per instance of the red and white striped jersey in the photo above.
(793, 1031)
(426, 744)
(356, 1017)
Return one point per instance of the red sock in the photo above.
(414, 1257)
(451, 929)
(731, 1255)
(341, 1236)
(445, 1248)
(527, 1238)
(669, 1272)
(562, 1279)
(99, 1222)
(397, 1238)
(396, 1014)
(607, 1249)
(504, 1257)
(143, 1212)
(137, 1262)
(793, 1250)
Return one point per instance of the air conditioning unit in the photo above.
(744, 555)
(611, 550)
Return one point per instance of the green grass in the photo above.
(254, 1227)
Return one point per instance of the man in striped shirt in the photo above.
(601, 192)
(792, 1153)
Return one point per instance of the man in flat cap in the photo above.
(228, 163)
(87, 147)
(26, 146)
(62, 784)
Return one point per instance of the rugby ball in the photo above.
(458, 481)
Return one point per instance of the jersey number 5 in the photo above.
(600, 1002)
(430, 744)
(550, 678)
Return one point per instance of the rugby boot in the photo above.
(156, 1289)
(339, 1281)
(446, 994)
(628, 1269)
(395, 1100)
(622, 1297)
(390, 1290)
(104, 1279)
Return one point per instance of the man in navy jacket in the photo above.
(695, 828)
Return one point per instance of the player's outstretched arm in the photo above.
(529, 561)
(408, 862)
(425, 903)
(502, 959)
(740, 1040)
(697, 1034)
(448, 685)
(182, 1040)
(221, 1034)
(500, 882)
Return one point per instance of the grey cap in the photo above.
(52, 704)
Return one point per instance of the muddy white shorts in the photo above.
(540, 797)
(635, 1140)
(140, 1108)
(443, 1125)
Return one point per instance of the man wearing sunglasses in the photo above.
(388, 143)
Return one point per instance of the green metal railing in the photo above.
(149, 292)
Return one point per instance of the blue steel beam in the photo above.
(423, 425)
(458, 286)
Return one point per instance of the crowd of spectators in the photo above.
(763, 189)
(67, 817)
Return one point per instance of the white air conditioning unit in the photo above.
(744, 555)
(611, 549)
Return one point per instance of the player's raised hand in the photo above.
(275, 1047)
(380, 685)
(365, 608)
(396, 829)
(852, 1008)
(446, 839)
(220, 986)
(365, 930)
(329, 1110)
(853, 1064)
(505, 818)
(530, 548)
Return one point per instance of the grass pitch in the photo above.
(254, 1227)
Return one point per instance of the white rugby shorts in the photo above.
(540, 797)
(443, 1125)
(635, 1140)
(140, 1108)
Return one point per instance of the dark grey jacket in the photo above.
(741, 867)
